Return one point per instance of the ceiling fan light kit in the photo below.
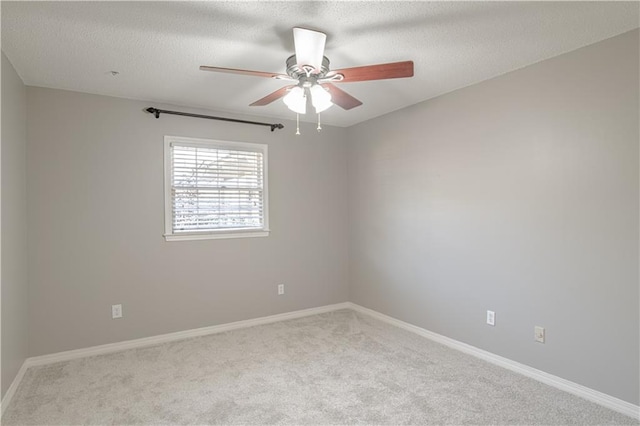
(310, 71)
(320, 98)
(296, 100)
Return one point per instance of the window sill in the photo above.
(216, 235)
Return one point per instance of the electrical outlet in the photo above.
(280, 289)
(116, 311)
(539, 334)
(491, 318)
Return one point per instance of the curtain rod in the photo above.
(157, 112)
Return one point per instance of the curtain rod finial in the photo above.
(153, 111)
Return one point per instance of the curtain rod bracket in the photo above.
(156, 112)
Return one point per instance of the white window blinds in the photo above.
(216, 186)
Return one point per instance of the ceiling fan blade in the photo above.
(341, 98)
(245, 72)
(309, 46)
(272, 96)
(375, 72)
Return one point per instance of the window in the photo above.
(214, 189)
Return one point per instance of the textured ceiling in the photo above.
(158, 46)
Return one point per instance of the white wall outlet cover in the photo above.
(491, 318)
(116, 311)
(539, 334)
(280, 289)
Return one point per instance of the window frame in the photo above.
(169, 234)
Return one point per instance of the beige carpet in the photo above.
(336, 368)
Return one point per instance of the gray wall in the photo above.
(13, 258)
(95, 195)
(518, 195)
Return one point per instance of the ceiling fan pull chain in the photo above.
(319, 126)
(297, 124)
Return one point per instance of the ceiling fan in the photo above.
(309, 70)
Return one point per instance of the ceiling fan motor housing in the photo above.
(305, 71)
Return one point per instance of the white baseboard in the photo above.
(589, 394)
(156, 340)
(600, 398)
(12, 388)
(179, 335)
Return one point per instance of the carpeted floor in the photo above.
(335, 368)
